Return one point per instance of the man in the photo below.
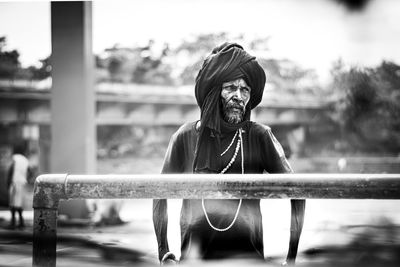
(229, 85)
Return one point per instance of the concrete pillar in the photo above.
(73, 131)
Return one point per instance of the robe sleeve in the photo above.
(275, 162)
(174, 160)
(273, 156)
(173, 163)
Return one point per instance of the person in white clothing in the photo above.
(17, 179)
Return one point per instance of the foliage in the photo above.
(114, 67)
(189, 73)
(288, 76)
(10, 66)
(369, 106)
(44, 71)
(161, 65)
(203, 43)
(9, 61)
(283, 74)
(140, 64)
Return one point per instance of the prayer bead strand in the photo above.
(238, 146)
(233, 158)
(233, 139)
(241, 149)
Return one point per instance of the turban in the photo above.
(226, 62)
(229, 62)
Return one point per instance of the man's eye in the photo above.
(229, 88)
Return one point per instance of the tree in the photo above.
(138, 64)
(288, 76)
(202, 43)
(189, 73)
(114, 67)
(44, 71)
(369, 107)
(9, 61)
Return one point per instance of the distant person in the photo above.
(229, 85)
(17, 179)
(342, 164)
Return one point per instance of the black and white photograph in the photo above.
(200, 133)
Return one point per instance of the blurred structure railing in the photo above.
(51, 188)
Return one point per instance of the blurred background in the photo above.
(99, 87)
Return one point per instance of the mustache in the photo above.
(235, 104)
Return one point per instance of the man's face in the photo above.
(234, 96)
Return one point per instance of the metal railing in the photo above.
(51, 188)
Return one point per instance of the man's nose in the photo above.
(238, 94)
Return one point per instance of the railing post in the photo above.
(48, 191)
(44, 237)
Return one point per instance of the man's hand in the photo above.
(169, 262)
(169, 259)
(288, 262)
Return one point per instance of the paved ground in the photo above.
(336, 233)
(81, 244)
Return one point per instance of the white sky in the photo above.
(311, 32)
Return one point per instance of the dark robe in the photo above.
(262, 153)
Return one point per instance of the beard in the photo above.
(233, 111)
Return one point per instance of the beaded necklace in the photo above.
(238, 146)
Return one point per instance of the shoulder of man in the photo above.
(259, 128)
(264, 131)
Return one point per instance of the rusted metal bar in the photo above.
(51, 188)
(215, 186)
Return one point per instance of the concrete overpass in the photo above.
(26, 113)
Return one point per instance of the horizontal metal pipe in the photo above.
(48, 190)
(216, 186)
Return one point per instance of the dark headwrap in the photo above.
(226, 62)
